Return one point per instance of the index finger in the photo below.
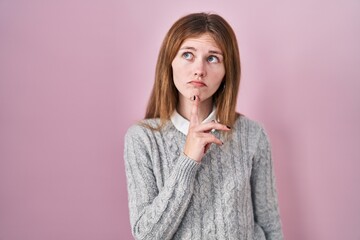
(194, 116)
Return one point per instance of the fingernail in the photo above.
(222, 143)
(228, 127)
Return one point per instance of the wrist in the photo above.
(192, 158)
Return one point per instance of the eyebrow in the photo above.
(194, 49)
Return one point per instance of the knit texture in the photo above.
(230, 195)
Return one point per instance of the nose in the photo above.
(200, 69)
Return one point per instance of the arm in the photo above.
(155, 214)
(263, 189)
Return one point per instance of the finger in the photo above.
(209, 138)
(194, 116)
(206, 148)
(206, 127)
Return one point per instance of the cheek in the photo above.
(176, 74)
(179, 72)
(175, 67)
(220, 74)
(223, 71)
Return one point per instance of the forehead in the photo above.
(204, 40)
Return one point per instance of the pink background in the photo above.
(74, 75)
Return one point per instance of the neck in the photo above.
(185, 105)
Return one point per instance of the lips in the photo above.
(197, 84)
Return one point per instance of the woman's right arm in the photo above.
(155, 214)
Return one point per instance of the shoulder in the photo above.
(243, 122)
(142, 128)
(250, 129)
(147, 129)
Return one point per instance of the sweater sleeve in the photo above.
(154, 213)
(264, 193)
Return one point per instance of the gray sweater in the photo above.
(230, 195)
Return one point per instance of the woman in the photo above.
(195, 168)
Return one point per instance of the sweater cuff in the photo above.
(186, 168)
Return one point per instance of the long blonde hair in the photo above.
(164, 96)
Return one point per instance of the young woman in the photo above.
(195, 168)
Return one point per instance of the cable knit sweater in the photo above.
(230, 195)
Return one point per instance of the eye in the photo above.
(188, 55)
(213, 59)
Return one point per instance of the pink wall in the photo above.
(75, 74)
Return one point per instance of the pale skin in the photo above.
(198, 71)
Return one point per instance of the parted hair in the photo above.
(164, 96)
